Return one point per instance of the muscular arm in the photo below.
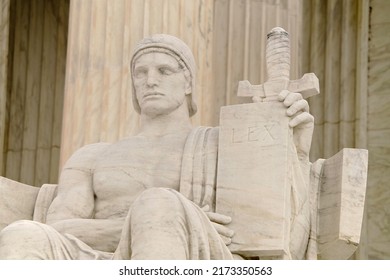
(72, 210)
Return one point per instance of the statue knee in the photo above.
(157, 222)
(157, 199)
(18, 238)
(157, 203)
(14, 231)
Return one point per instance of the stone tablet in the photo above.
(253, 184)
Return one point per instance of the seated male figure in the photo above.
(126, 200)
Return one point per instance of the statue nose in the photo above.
(152, 78)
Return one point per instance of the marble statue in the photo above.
(152, 195)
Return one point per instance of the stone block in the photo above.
(341, 203)
(253, 177)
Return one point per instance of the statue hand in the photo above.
(301, 121)
(219, 222)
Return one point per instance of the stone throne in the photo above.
(336, 190)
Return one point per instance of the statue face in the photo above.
(160, 84)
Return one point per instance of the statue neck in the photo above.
(176, 122)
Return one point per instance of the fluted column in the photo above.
(378, 135)
(347, 42)
(34, 81)
(337, 52)
(4, 31)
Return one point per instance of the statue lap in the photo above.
(180, 231)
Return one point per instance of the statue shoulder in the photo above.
(85, 157)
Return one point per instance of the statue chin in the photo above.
(157, 107)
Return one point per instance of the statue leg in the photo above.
(30, 240)
(163, 224)
(158, 223)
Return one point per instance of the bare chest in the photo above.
(129, 167)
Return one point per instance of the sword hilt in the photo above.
(278, 55)
(278, 69)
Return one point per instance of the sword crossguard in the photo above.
(278, 70)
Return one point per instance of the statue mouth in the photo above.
(152, 94)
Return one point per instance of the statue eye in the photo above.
(140, 72)
(166, 71)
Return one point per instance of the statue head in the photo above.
(174, 47)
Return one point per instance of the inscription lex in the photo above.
(264, 134)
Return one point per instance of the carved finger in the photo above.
(302, 118)
(219, 218)
(223, 230)
(283, 94)
(226, 240)
(206, 208)
(291, 98)
(300, 105)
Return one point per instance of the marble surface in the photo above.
(378, 134)
(17, 201)
(342, 191)
(253, 186)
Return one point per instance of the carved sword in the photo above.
(278, 70)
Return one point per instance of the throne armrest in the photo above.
(45, 196)
(338, 188)
(17, 201)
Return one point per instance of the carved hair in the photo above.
(177, 49)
